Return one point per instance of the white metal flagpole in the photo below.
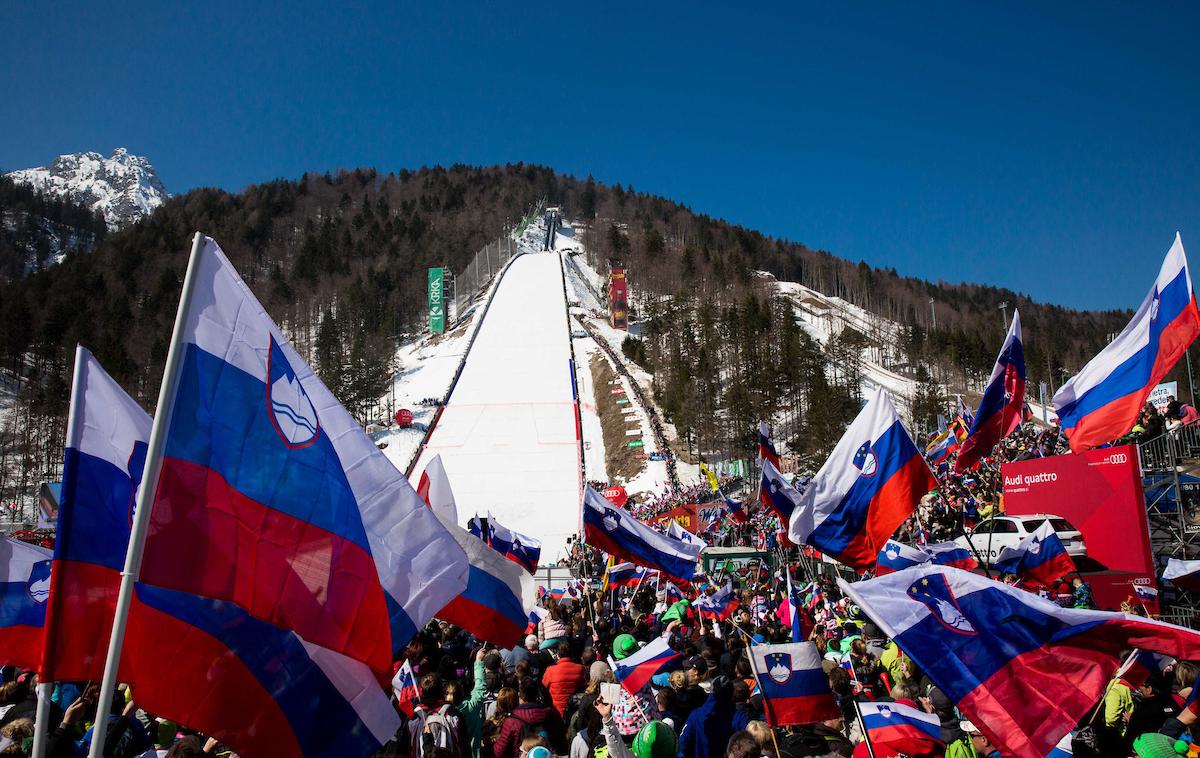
(145, 500)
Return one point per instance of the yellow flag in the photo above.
(712, 478)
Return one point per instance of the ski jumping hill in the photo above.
(508, 435)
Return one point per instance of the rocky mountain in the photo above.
(123, 187)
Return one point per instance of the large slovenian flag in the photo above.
(260, 689)
(499, 595)
(618, 533)
(1020, 667)
(868, 487)
(24, 589)
(951, 554)
(520, 549)
(1183, 574)
(902, 728)
(628, 575)
(896, 556)
(719, 605)
(1103, 400)
(107, 433)
(1039, 557)
(1002, 407)
(794, 687)
(775, 493)
(635, 672)
(276, 496)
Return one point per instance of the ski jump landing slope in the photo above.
(507, 435)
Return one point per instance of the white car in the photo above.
(991, 536)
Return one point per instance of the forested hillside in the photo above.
(350, 250)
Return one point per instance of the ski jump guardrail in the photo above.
(573, 367)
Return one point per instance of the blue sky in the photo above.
(1048, 147)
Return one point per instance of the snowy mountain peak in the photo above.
(124, 187)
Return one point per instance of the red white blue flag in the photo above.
(794, 687)
(620, 534)
(499, 595)
(107, 433)
(766, 448)
(951, 554)
(277, 497)
(1103, 400)
(719, 605)
(1020, 667)
(636, 671)
(776, 493)
(902, 729)
(404, 685)
(1002, 407)
(868, 487)
(1040, 557)
(628, 575)
(897, 556)
(1182, 574)
(24, 590)
(262, 690)
(520, 549)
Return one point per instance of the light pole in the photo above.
(1004, 313)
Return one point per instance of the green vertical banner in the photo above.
(437, 302)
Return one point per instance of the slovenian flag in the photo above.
(1002, 407)
(737, 512)
(940, 448)
(619, 533)
(792, 614)
(635, 672)
(896, 556)
(1183, 574)
(1018, 666)
(1040, 557)
(24, 589)
(499, 594)
(902, 729)
(720, 605)
(404, 685)
(1144, 593)
(776, 494)
(868, 487)
(520, 549)
(1140, 666)
(794, 687)
(1103, 400)
(107, 433)
(951, 554)
(766, 448)
(276, 496)
(628, 575)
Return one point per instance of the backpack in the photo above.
(444, 727)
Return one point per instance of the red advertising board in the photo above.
(687, 516)
(616, 495)
(1100, 493)
(618, 299)
(404, 418)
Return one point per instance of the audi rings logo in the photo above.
(1117, 458)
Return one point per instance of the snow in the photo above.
(124, 187)
(507, 436)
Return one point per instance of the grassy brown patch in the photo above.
(618, 456)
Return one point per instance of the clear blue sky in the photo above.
(1048, 147)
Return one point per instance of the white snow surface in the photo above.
(507, 436)
(124, 187)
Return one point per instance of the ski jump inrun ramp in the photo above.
(507, 435)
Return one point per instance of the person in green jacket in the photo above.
(471, 709)
(972, 744)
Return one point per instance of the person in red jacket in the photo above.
(564, 678)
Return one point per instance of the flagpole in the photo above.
(145, 500)
(46, 689)
(863, 724)
(962, 522)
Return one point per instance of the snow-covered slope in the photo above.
(124, 187)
